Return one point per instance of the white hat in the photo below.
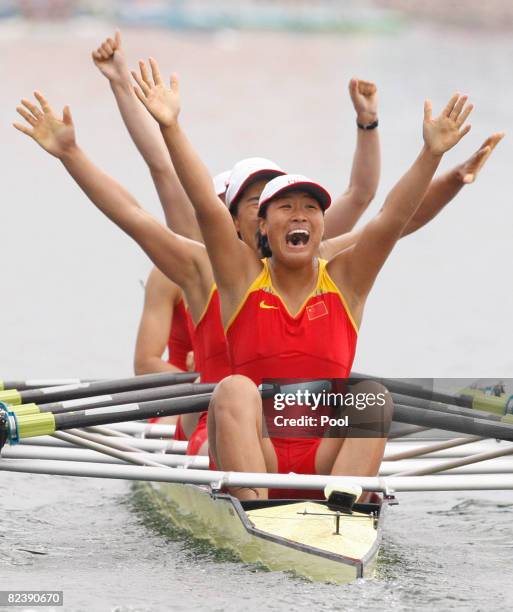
(246, 171)
(287, 182)
(221, 182)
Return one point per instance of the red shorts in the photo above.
(179, 432)
(199, 436)
(294, 455)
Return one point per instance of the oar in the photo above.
(67, 392)
(13, 427)
(73, 454)
(40, 383)
(417, 402)
(142, 444)
(435, 467)
(485, 428)
(487, 403)
(127, 397)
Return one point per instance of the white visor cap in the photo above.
(245, 172)
(296, 182)
(221, 182)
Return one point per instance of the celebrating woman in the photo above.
(291, 314)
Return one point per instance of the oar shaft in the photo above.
(40, 383)
(450, 422)
(48, 423)
(58, 453)
(136, 459)
(127, 412)
(432, 448)
(127, 397)
(450, 408)
(488, 404)
(67, 392)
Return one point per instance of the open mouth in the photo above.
(297, 237)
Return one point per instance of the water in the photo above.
(72, 297)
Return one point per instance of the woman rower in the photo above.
(207, 333)
(163, 327)
(165, 323)
(282, 313)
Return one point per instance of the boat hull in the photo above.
(297, 536)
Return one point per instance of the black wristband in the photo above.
(368, 126)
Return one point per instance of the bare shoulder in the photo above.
(338, 266)
(330, 247)
(159, 284)
(233, 291)
(249, 266)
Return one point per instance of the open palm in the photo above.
(56, 136)
(469, 170)
(163, 103)
(443, 132)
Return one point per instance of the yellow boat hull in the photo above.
(297, 536)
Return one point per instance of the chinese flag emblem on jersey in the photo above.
(317, 310)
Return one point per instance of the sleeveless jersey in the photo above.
(209, 342)
(266, 341)
(179, 343)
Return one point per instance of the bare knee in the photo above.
(235, 396)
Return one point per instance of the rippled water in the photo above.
(72, 298)
(107, 550)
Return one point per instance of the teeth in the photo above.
(298, 236)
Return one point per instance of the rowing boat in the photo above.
(309, 538)
(335, 540)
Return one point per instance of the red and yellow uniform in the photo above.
(211, 357)
(179, 343)
(266, 341)
(209, 341)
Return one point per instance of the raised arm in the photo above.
(235, 264)
(441, 191)
(182, 260)
(445, 188)
(110, 60)
(347, 209)
(355, 269)
(160, 297)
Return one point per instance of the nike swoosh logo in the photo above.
(267, 306)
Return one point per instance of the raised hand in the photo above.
(161, 102)
(109, 58)
(56, 136)
(469, 170)
(364, 96)
(443, 132)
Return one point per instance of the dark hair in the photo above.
(262, 210)
(263, 245)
